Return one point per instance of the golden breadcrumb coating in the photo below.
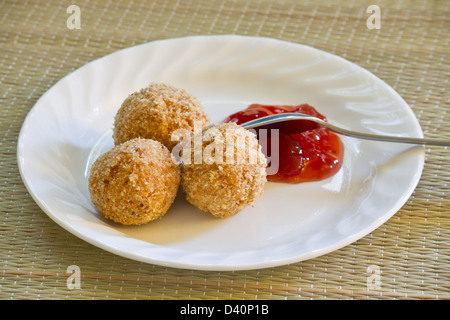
(231, 174)
(155, 112)
(134, 182)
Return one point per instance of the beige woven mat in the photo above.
(410, 52)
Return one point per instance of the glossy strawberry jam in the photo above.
(306, 151)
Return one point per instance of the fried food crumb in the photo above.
(155, 112)
(230, 176)
(134, 182)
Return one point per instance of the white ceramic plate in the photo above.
(72, 124)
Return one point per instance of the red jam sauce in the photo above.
(307, 151)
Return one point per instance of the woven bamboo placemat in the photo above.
(406, 258)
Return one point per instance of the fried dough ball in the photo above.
(231, 173)
(155, 112)
(134, 182)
